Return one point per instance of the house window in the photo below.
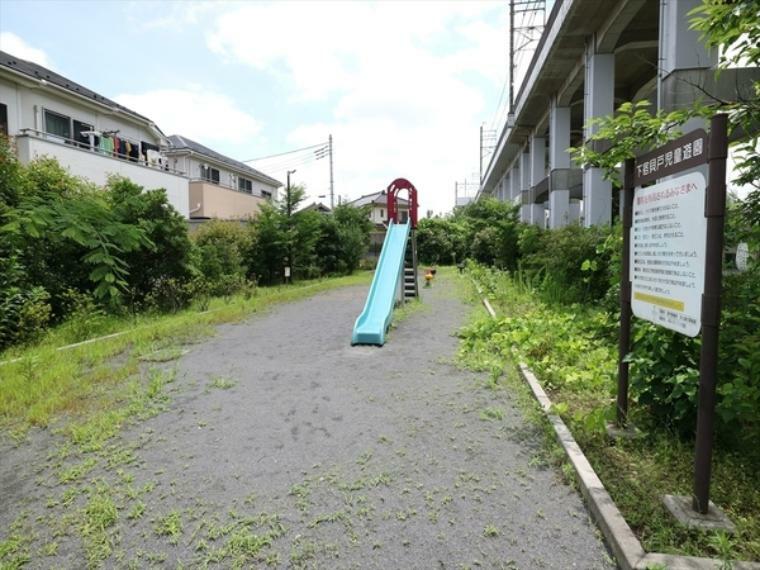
(58, 125)
(245, 185)
(3, 119)
(266, 194)
(210, 174)
(382, 213)
(404, 216)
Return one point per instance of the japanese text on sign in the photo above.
(667, 253)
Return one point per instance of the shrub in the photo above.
(165, 255)
(222, 250)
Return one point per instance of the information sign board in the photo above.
(667, 253)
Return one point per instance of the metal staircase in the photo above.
(411, 285)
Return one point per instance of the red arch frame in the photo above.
(392, 191)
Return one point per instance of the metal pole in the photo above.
(511, 55)
(332, 190)
(289, 210)
(624, 345)
(481, 154)
(715, 211)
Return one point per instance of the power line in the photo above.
(284, 153)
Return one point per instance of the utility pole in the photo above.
(332, 189)
(289, 210)
(481, 153)
(511, 56)
(532, 8)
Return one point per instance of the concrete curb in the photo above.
(629, 553)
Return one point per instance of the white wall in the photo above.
(26, 104)
(191, 165)
(96, 168)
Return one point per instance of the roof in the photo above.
(379, 198)
(317, 207)
(34, 71)
(181, 143)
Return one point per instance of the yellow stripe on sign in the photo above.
(659, 301)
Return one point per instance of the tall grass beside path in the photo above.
(40, 382)
(573, 351)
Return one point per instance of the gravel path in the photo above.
(283, 445)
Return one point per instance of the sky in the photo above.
(403, 87)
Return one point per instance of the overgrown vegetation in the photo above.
(78, 254)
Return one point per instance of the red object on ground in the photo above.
(395, 186)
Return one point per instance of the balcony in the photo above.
(96, 167)
(210, 200)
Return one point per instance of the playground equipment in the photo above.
(395, 278)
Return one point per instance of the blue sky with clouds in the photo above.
(402, 86)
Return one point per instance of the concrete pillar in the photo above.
(537, 174)
(559, 158)
(514, 181)
(524, 186)
(599, 101)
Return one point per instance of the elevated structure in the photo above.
(592, 56)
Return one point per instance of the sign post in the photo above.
(715, 212)
(671, 276)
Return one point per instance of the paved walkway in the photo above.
(285, 445)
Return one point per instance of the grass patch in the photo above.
(491, 414)
(46, 383)
(221, 383)
(573, 351)
(169, 525)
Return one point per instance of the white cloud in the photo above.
(11, 43)
(397, 74)
(202, 115)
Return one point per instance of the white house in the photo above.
(46, 114)
(220, 187)
(378, 212)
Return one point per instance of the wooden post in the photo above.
(715, 211)
(624, 341)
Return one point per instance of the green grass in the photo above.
(221, 383)
(46, 383)
(169, 525)
(578, 371)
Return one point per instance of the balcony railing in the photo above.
(86, 147)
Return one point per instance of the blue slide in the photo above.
(375, 319)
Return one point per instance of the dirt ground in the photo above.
(282, 445)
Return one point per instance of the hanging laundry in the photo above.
(153, 157)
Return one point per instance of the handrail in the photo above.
(79, 145)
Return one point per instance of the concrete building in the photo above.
(219, 187)
(46, 114)
(592, 56)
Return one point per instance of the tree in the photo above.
(166, 254)
(734, 28)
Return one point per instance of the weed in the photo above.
(490, 531)
(221, 383)
(169, 525)
(491, 414)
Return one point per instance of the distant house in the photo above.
(317, 207)
(220, 187)
(378, 212)
(378, 215)
(46, 114)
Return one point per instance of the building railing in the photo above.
(86, 147)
